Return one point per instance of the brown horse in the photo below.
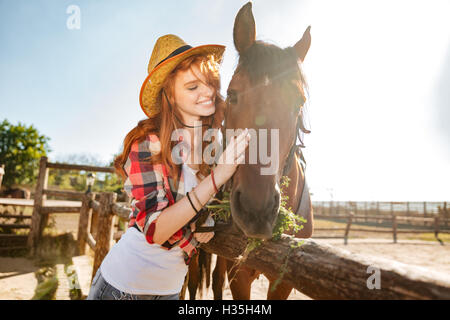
(266, 92)
(19, 193)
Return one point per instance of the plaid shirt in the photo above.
(147, 184)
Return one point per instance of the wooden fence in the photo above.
(97, 225)
(40, 211)
(436, 225)
(363, 209)
(318, 270)
(322, 271)
(98, 213)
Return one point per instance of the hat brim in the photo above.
(153, 83)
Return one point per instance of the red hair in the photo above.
(163, 124)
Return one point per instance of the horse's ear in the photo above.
(302, 46)
(244, 32)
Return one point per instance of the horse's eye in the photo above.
(232, 97)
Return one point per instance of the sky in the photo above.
(378, 73)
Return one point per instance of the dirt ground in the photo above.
(427, 254)
(17, 279)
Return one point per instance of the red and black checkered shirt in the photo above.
(152, 190)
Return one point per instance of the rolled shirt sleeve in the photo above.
(145, 184)
(148, 186)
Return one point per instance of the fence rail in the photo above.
(408, 208)
(96, 230)
(439, 225)
(40, 210)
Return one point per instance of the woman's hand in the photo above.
(233, 155)
(202, 237)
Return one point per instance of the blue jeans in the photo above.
(102, 290)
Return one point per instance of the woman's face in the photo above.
(193, 96)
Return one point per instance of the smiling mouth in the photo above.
(206, 103)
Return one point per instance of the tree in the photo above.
(21, 147)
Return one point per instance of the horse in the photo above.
(267, 91)
(17, 193)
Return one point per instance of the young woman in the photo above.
(168, 189)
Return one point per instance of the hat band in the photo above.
(176, 52)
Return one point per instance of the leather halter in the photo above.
(296, 149)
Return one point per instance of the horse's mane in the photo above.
(267, 61)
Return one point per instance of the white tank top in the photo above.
(135, 266)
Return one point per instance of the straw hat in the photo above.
(168, 52)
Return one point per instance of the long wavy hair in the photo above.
(163, 124)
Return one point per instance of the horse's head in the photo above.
(266, 92)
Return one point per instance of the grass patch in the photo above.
(47, 284)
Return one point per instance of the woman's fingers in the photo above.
(238, 146)
(204, 237)
(241, 159)
(242, 137)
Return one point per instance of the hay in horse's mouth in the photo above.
(285, 218)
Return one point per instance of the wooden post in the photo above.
(445, 216)
(424, 212)
(436, 229)
(114, 228)
(2, 172)
(83, 222)
(394, 226)
(94, 223)
(365, 210)
(347, 229)
(38, 221)
(407, 213)
(104, 234)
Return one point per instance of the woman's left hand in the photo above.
(202, 237)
